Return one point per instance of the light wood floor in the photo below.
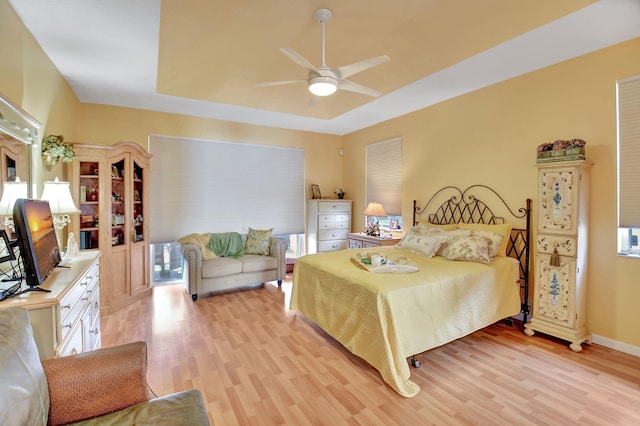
(257, 363)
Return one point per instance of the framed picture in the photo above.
(86, 219)
(315, 191)
(393, 223)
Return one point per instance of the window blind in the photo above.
(384, 175)
(201, 186)
(629, 152)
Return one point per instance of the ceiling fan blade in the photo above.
(349, 70)
(279, 83)
(298, 59)
(358, 88)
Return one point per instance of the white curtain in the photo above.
(200, 186)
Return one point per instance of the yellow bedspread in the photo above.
(386, 318)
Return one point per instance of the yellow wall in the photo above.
(101, 124)
(490, 137)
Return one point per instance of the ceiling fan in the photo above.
(324, 80)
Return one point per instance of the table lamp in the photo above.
(374, 209)
(59, 197)
(11, 191)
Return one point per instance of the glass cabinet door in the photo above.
(138, 204)
(118, 206)
(89, 205)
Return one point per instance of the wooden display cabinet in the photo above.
(109, 184)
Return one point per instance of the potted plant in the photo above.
(340, 193)
(54, 149)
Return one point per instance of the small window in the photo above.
(167, 263)
(628, 241)
(384, 180)
(628, 94)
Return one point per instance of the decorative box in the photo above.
(561, 151)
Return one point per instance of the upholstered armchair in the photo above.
(106, 386)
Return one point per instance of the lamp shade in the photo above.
(59, 197)
(323, 85)
(11, 191)
(374, 209)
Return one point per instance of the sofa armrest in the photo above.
(97, 382)
(193, 256)
(278, 249)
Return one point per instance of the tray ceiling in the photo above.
(206, 58)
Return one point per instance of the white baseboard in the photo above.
(614, 344)
(604, 341)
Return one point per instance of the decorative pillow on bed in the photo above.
(444, 236)
(421, 241)
(495, 240)
(502, 229)
(472, 249)
(258, 242)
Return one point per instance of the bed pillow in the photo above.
(443, 227)
(258, 241)
(495, 240)
(471, 249)
(444, 236)
(502, 229)
(419, 240)
(200, 240)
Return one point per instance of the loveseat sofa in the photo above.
(261, 260)
(103, 387)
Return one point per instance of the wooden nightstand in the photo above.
(361, 240)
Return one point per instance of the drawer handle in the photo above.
(84, 298)
(95, 331)
(67, 326)
(84, 283)
(334, 246)
(97, 305)
(66, 306)
(333, 235)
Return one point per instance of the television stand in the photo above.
(67, 319)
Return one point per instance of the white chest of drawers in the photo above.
(66, 320)
(328, 224)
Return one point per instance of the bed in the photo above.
(388, 318)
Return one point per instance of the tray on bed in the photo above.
(399, 265)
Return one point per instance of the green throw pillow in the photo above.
(258, 242)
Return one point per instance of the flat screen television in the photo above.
(36, 238)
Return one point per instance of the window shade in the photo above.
(629, 152)
(384, 175)
(201, 186)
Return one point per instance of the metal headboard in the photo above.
(464, 206)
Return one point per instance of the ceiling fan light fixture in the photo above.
(323, 86)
